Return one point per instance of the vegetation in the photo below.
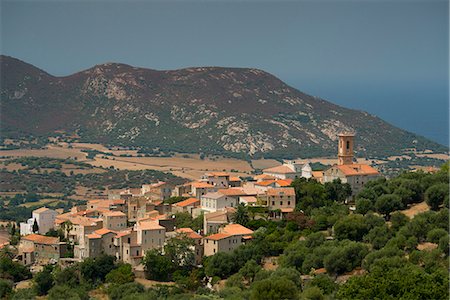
(376, 248)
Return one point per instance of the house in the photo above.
(114, 220)
(201, 188)
(76, 227)
(318, 176)
(216, 201)
(157, 191)
(182, 190)
(106, 205)
(289, 170)
(197, 240)
(214, 220)
(235, 181)
(282, 199)
(45, 219)
(248, 200)
(99, 242)
(217, 179)
(357, 175)
(186, 205)
(40, 249)
(229, 238)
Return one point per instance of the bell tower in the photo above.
(345, 149)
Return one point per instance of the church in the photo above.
(346, 170)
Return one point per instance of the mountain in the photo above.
(213, 110)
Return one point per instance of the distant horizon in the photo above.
(388, 58)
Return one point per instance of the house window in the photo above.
(129, 240)
(281, 203)
(273, 203)
(348, 145)
(289, 202)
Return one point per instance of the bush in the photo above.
(436, 234)
(5, 288)
(436, 194)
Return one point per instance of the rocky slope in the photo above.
(233, 111)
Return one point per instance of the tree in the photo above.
(386, 204)
(95, 269)
(363, 206)
(312, 293)
(337, 191)
(398, 220)
(66, 292)
(351, 227)
(131, 289)
(157, 266)
(35, 227)
(12, 270)
(436, 194)
(5, 288)
(346, 258)
(274, 289)
(378, 236)
(249, 270)
(180, 251)
(121, 275)
(241, 215)
(405, 282)
(44, 280)
(436, 234)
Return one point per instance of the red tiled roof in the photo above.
(218, 236)
(149, 225)
(236, 229)
(190, 233)
(357, 169)
(114, 214)
(265, 183)
(103, 231)
(280, 170)
(284, 182)
(41, 239)
(232, 192)
(187, 202)
(200, 184)
(286, 191)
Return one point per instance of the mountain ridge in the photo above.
(212, 110)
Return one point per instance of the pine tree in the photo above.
(35, 227)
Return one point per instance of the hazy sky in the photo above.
(389, 58)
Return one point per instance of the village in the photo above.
(133, 221)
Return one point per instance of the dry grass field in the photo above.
(184, 165)
(416, 209)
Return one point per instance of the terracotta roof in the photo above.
(236, 229)
(320, 271)
(201, 184)
(103, 231)
(27, 249)
(248, 199)
(220, 215)
(232, 192)
(247, 237)
(40, 210)
(190, 233)
(357, 169)
(149, 225)
(280, 170)
(114, 214)
(84, 221)
(187, 202)
(123, 233)
(235, 179)
(265, 182)
(284, 182)
(286, 191)
(118, 201)
(156, 203)
(93, 236)
(287, 209)
(317, 174)
(263, 177)
(218, 236)
(41, 239)
(213, 195)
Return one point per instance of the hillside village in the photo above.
(133, 221)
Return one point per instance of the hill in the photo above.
(213, 110)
